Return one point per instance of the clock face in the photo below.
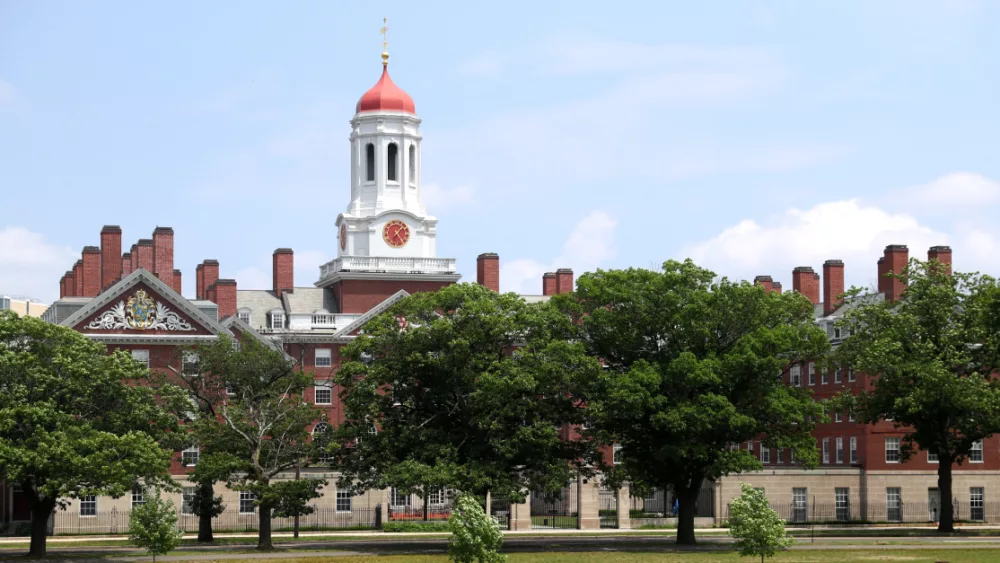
(395, 233)
(343, 236)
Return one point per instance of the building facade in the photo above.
(23, 306)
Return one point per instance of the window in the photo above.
(189, 456)
(397, 498)
(324, 393)
(791, 456)
(138, 495)
(836, 333)
(893, 504)
(189, 364)
(840, 450)
(892, 450)
(824, 377)
(392, 154)
(88, 505)
(850, 375)
(976, 453)
(321, 436)
(247, 505)
(850, 417)
(750, 447)
(836, 375)
(838, 417)
(812, 373)
(842, 502)
(324, 359)
(277, 319)
(932, 457)
(826, 450)
(436, 497)
(141, 356)
(976, 495)
(800, 504)
(344, 500)
(781, 456)
(244, 315)
(765, 455)
(187, 500)
(370, 162)
(230, 389)
(413, 164)
(854, 449)
(616, 454)
(795, 376)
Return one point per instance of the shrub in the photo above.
(439, 526)
(757, 528)
(476, 536)
(153, 526)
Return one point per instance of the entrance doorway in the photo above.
(934, 504)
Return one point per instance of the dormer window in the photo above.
(244, 315)
(369, 162)
(392, 157)
(836, 333)
(277, 319)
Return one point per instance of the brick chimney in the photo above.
(282, 270)
(62, 286)
(209, 273)
(833, 285)
(564, 280)
(78, 278)
(199, 279)
(210, 293)
(942, 254)
(178, 286)
(134, 255)
(766, 282)
(806, 282)
(91, 271)
(488, 271)
(111, 250)
(145, 260)
(549, 283)
(225, 297)
(70, 284)
(776, 287)
(126, 264)
(895, 260)
(163, 254)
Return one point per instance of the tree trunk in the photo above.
(207, 493)
(946, 524)
(41, 509)
(687, 499)
(264, 529)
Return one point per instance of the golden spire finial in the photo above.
(385, 44)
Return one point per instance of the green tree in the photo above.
(931, 356)
(75, 420)
(261, 424)
(693, 367)
(293, 498)
(475, 536)
(757, 528)
(153, 525)
(463, 388)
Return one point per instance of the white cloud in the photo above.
(589, 245)
(30, 266)
(436, 198)
(958, 189)
(847, 230)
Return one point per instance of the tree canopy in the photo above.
(75, 420)
(464, 388)
(693, 367)
(260, 426)
(931, 356)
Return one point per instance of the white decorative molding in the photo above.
(399, 265)
(140, 312)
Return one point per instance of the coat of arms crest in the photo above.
(140, 311)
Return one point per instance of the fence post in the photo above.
(378, 516)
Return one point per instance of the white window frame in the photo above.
(824, 377)
(138, 495)
(88, 506)
(812, 373)
(850, 375)
(325, 355)
(321, 428)
(932, 457)
(245, 315)
(616, 452)
(326, 386)
(854, 449)
(189, 363)
(395, 497)
(344, 498)
(838, 416)
(976, 453)
(141, 356)
(839, 450)
(780, 456)
(277, 319)
(837, 375)
(836, 333)
(437, 497)
(247, 499)
(187, 500)
(795, 376)
(826, 450)
(765, 455)
(892, 451)
(190, 453)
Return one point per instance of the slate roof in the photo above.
(260, 302)
(307, 300)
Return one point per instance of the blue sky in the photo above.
(751, 136)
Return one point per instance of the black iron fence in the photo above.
(663, 504)
(608, 511)
(415, 513)
(549, 511)
(117, 521)
(882, 513)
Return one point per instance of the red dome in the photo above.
(386, 96)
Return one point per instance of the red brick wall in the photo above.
(111, 251)
(134, 254)
(942, 254)
(359, 296)
(145, 252)
(488, 271)
(896, 257)
(91, 271)
(199, 282)
(126, 264)
(209, 274)
(78, 278)
(225, 297)
(178, 282)
(549, 283)
(833, 285)
(282, 270)
(163, 254)
(806, 282)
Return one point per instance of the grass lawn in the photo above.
(830, 556)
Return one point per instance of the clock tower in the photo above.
(386, 231)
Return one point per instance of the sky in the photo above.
(752, 137)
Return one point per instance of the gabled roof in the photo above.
(237, 323)
(163, 290)
(345, 333)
